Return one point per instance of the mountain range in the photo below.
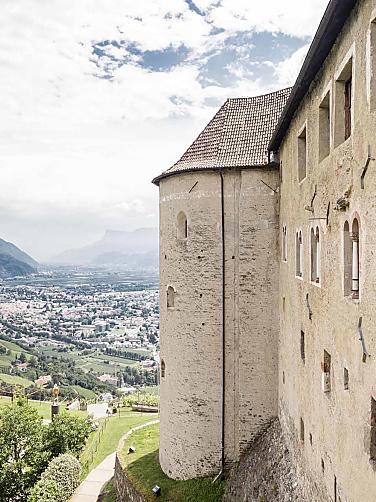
(133, 249)
(14, 262)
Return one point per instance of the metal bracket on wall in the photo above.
(275, 190)
(193, 187)
(310, 313)
(361, 339)
(310, 207)
(365, 168)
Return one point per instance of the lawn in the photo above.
(105, 439)
(43, 407)
(145, 472)
(15, 351)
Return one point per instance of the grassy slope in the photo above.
(15, 380)
(144, 469)
(115, 429)
(85, 393)
(15, 350)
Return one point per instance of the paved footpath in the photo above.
(90, 488)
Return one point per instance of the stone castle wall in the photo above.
(335, 439)
(191, 331)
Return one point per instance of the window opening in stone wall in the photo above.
(355, 259)
(299, 254)
(315, 255)
(348, 100)
(372, 63)
(170, 297)
(283, 377)
(310, 438)
(182, 226)
(322, 466)
(345, 378)
(302, 154)
(163, 369)
(335, 490)
(301, 430)
(284, 243)
(326, 367)
(302, 346)
(343, 104)
(373, 430)
(324, 127)
(347, 259)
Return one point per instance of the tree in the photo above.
(67, 433)
(22, 357)
(22, 455)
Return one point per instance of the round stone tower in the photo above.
(218, 290)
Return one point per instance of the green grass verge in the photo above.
(105, 440)
(108, 492)
(145, 472)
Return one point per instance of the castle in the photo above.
(268, 272)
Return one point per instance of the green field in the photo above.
(85, 393)
(15, 380)
(105, 439)
(94, 360)
(144, 470)
(15, 351)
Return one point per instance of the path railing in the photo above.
(87, 456)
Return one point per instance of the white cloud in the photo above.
(287, 70)
(82, 148)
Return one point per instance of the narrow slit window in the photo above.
(373, 430)
(344, 104)
(347, 259)
(182, 226)
(324, 127)
(163, 369)
(299, 253)
(315, 255)
(345, 378)
(302, 154)
(284, 243)
(301, 430)
(302, 346)
(326, 370)
(355, 259)
(170, 297)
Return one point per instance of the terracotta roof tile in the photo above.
(237, 136)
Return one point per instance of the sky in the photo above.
(99, 96)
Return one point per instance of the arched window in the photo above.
(351, 265)
(315, 255)
(347, 259)
(284, 243)
(163, 369)
(355, 259)
(182, 226)
(299, 253)
(170, 297)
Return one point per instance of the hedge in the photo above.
(59, 480)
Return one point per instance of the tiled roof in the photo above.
(237, 136)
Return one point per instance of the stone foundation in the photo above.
(125, 491)
(272, 472)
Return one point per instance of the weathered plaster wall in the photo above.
(191, 331)
(339, 421)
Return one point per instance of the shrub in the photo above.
(46, 490)
(59, 480)
(67, 433)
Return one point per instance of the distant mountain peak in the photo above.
(133, 248)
